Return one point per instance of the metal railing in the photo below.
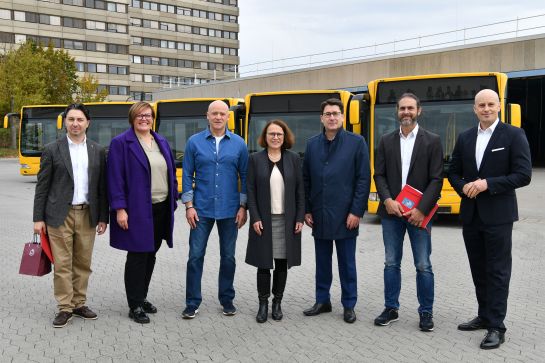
(516, 28)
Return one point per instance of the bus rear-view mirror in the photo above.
(515, 117)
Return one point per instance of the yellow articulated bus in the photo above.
(108, 119)
(178, 119)
(447, 109)
(37, 128)
(301, 112)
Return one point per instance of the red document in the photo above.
(409, 198)
(46, 247)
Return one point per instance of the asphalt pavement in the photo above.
(27, 306)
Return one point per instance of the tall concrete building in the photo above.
(133, 47)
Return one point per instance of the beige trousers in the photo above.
(72, 247)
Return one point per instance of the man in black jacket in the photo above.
(409, 155)
(488, 163)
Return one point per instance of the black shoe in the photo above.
(349, 315)
(61, 319)
(388, 316)
(139, 315)
(493, 339)
(426, 321)
(318, 309)
(149, 307)
(190, 312)
(229, 309)
(276, 313)
(474, 324)
(262, 312)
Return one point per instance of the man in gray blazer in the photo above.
(70, 202)
(409, 155)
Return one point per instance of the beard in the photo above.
(410, 122)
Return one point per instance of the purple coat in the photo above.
(129, 188)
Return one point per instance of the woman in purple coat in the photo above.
(142, 191)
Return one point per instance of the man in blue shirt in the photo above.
(337, 178)
(214, 160)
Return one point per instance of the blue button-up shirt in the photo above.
(211, 178)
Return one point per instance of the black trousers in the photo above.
(489, 251)
(139, 265)
(280, 275)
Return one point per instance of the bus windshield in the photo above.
(38, 128)
(104, 129)
(177, 131)
(447, 119)
(303, 124)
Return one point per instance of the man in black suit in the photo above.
(414, 156)
(488, 163)
(70, 202)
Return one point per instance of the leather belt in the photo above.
(80, 206)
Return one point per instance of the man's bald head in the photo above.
(488, 93)
(218, 105)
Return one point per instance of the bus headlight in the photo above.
(373, 197)
(25, 166)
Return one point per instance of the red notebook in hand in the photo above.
(46, 247)
(409, 198)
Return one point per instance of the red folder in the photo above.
(409, 198)
(46, 247)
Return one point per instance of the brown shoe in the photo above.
(85, 313)
(62, 318)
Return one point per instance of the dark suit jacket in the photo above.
(425, 170)
(259, 251)
(55, 187)
(506, 165)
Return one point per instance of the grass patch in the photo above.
(8, 153)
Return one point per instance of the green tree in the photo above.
(31, 74)
(20, 77)
(60, 76)
(88, 90)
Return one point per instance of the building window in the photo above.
(55, 20)
(184, 11)
(5, 14)
(80, 66)
(73, 23)
(20, 38)
(19, 15)
(136, 77)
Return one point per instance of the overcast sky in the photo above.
(275, 29)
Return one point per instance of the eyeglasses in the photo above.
(334, 114)
(144, 116)
(275, 134)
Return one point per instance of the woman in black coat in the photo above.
(276, 203)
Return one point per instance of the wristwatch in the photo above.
(243, 205)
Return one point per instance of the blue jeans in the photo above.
(346, 259)
(393, 233)
(198, 239)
